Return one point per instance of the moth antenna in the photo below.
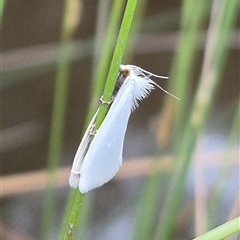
(142, 71)
(150, 74)
(155, 84)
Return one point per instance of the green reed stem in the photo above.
(216, 51)
(223, 231)
(58, 119)
(109, 86)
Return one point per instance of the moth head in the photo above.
(138, 72)
(125, 70)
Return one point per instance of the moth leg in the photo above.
(93, 132)
(102, 101)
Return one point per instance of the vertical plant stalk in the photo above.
(101, 71)
(109, 86)
(70, 21)
(98, 80)
(193, 14)
(101, 27)
(116, 60)
(215, 55)
(2, 5)
(146, 208)
(134, 34)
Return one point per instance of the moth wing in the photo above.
(104, 156)
(80, 154)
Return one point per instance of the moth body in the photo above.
(97, 163)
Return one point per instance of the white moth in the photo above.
(98, 162)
